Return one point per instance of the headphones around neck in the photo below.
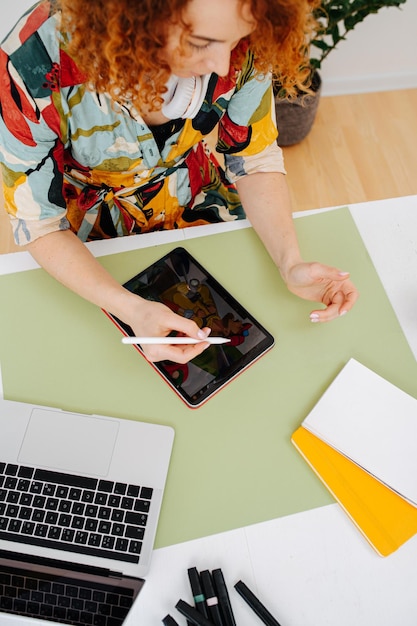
(184, 96)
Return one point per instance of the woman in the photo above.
(104, 110)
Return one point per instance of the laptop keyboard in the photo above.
(62, 599)
(73, 513)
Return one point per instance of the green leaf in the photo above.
(315, 64)
(335, 34)
(322, 45)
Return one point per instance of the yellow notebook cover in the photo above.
(384, 518)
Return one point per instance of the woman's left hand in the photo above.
(321, 283)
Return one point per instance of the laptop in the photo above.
(80, 497)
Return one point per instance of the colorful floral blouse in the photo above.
(72, 158)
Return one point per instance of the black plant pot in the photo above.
(295, 117)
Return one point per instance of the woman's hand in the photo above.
(153, 319)
(321, 283)
(68, 260)
(266, 199)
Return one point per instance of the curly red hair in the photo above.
(117, 44)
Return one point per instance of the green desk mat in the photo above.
(232, 463)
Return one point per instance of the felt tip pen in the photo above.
(144, 341)
(224, 599)
(256, 605)
(198, 595)
(194, 616)
(169, 621)
(212, 601)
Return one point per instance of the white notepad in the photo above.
(372, 422)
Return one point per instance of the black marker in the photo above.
(169, 621)
(198, 595)
(212, 600)
(194, 616)
(223, 596)
(257, 606)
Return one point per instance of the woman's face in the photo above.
(215, 28)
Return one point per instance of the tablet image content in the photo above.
(181, 283)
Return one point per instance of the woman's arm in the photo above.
(70, 262)
(266, 201)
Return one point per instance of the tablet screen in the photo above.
(181, 283)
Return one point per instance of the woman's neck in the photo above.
(153, 118)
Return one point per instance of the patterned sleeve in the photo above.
(248, 129)
(269, 160)
(31, 149)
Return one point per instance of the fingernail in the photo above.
(202, 335)
(343, 273)
(314, 317)
(342, 313)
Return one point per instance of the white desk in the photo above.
(313, 568)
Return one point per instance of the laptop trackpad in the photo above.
(69, 442)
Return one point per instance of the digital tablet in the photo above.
(181, 283)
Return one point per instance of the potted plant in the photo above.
(335, 18)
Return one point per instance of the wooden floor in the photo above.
(362, 147)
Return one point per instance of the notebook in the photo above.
(80, 497)
(385, 519)
(361, 441)
(373, 423)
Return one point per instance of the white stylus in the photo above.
(173, 340)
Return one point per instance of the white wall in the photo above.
(10, 11)
(380, 54)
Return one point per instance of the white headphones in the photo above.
(184, 96)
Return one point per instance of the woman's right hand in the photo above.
(70, 262)
(154, 319)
